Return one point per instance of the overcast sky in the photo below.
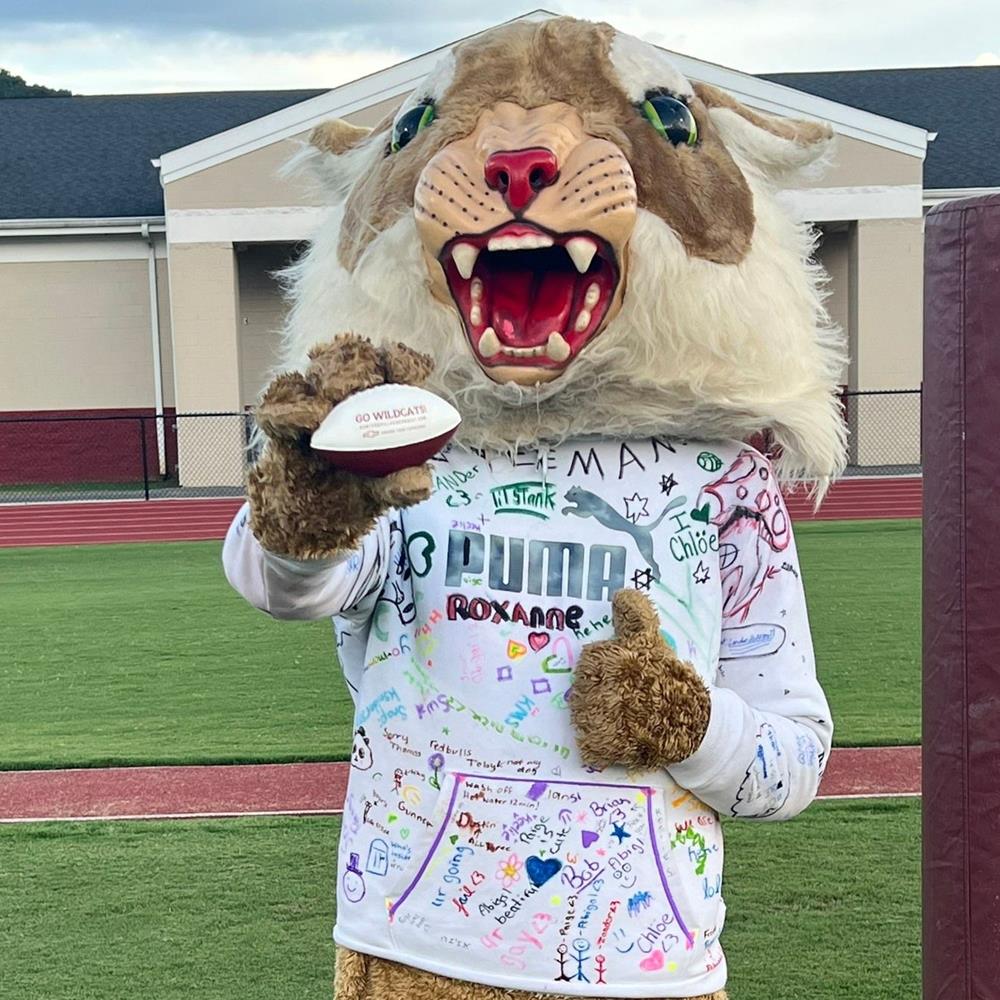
(130, 46)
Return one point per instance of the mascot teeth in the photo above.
(489, 343)
(531, 299)
(464, 255)
(530, 241)
(557, 348)
(582, 251)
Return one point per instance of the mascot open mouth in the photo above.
(529, 297)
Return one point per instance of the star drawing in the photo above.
(620, 832)
(635, 507)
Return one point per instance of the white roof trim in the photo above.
(399, 80)
(934, 196)
(276, 224)
(75, 246)
(82, 227)
(850, 204)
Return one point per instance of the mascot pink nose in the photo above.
(519, 174)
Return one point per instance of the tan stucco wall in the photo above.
(886, 324)
(253, 181)
(203, 311)
(262, 313)
(832, 253)
(248, 181)
(166, 342)
(862, 164)
(211, 450)
(76, 335)
(886, 263)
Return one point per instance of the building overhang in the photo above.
(132, 225)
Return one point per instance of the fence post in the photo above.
(145, 457)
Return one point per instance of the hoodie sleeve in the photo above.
(770, 732)
(310, 589)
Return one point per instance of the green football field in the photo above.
(137, 654)
(825, 907)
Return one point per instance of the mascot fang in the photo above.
(577, 636)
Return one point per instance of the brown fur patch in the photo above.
(698, 191)
(337, 136)
(634, 702)
(793, 129)
(364, 977)
(300, 505)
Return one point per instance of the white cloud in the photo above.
(92, 61)
(987, 59)
(128, 52)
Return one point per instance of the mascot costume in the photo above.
(576, 636)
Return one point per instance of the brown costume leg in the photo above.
(362, 977)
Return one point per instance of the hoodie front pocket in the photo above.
(554, 880)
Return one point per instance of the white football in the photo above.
(385, 429)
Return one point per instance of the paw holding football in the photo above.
(320, 483)
(381, 430)
(634, 702)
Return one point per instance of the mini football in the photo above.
(385, 429)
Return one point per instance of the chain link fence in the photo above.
(124, 457)
(883, 428)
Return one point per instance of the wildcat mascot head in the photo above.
(585, 242)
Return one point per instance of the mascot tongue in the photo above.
(526, 307)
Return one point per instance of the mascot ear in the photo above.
(334, 154)
(337, 136)
(776, 147)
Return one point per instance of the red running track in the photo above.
(98, 521)
(317, 788)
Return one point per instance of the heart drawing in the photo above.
(538, 640)
(539, 871)
(701, 513)
(653, 963)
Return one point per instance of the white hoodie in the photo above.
(475, 843)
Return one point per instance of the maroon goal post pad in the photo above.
(961, 614)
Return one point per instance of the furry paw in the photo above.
(290, 408)
(406, 487)
(300, 505)
(634, 702)
(405, 365)
(345, 365)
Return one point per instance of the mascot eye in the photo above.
(671, 118)
(410, 124)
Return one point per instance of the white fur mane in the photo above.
(698, 350)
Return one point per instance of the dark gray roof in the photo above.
(960, 103)
(88, 157)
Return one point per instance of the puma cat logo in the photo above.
(590, 505)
